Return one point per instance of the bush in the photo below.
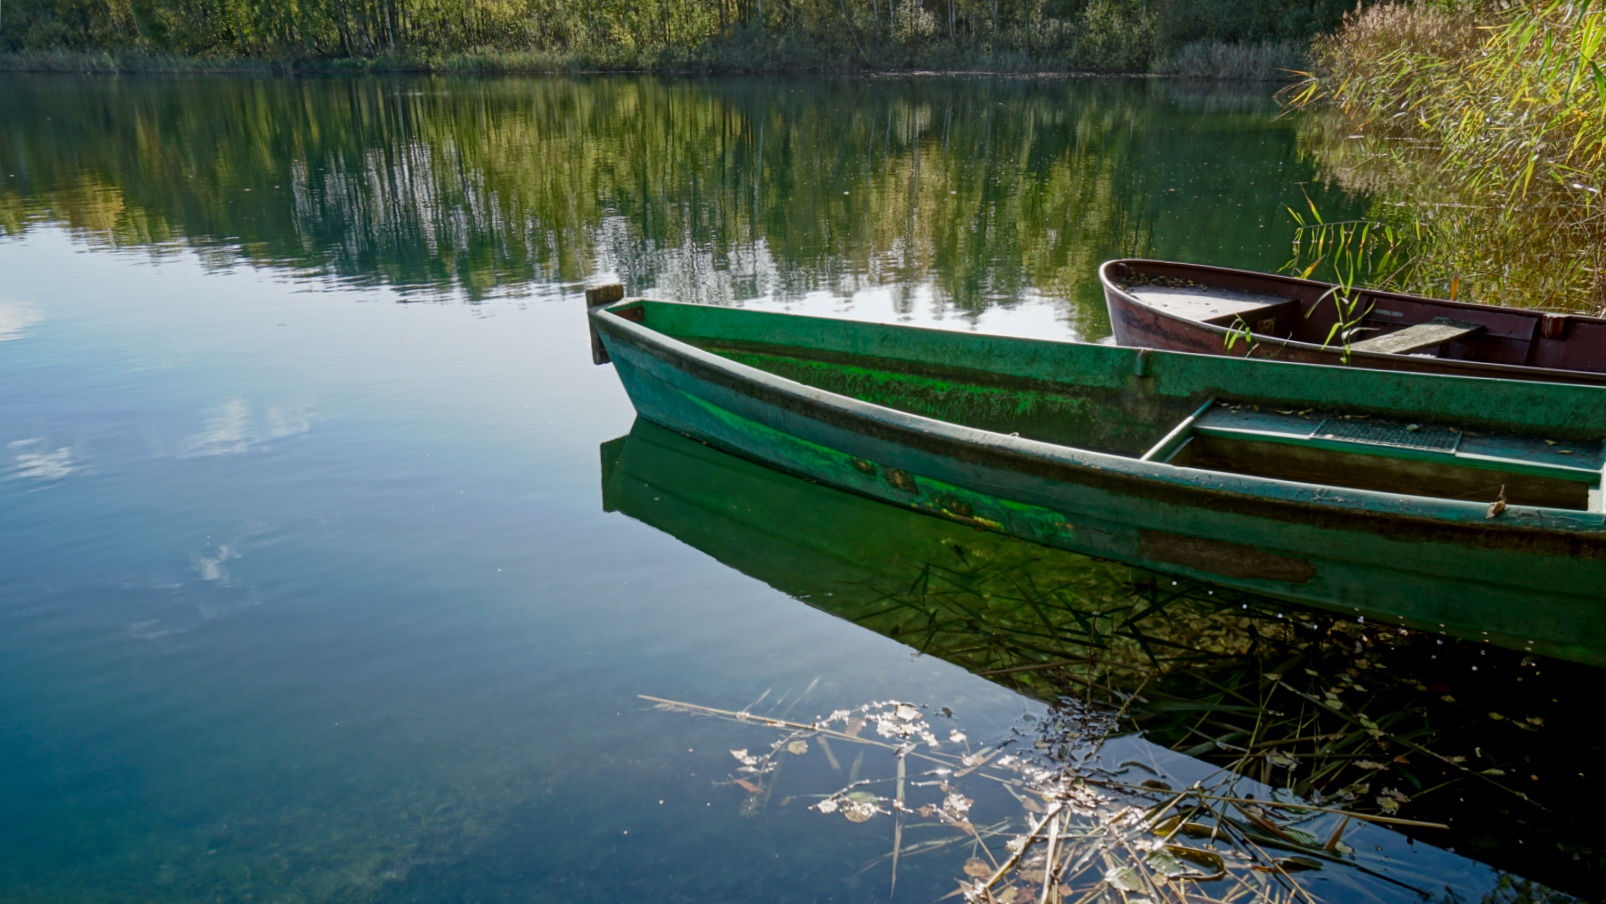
(1115, 37)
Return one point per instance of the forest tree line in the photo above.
(1116, 35)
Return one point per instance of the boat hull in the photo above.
(1540, 590)
(1518, 334)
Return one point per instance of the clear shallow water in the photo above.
(307, 590)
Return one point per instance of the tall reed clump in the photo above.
(1485, 126)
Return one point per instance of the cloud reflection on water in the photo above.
(33, 459)
(235, 427)
(15, 319)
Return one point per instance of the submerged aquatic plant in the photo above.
(1342, 712)
(1051, 813)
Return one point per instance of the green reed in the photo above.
(1484, 131)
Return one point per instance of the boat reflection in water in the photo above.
(1366, 718)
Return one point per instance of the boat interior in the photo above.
(1279, 308)
(1368, 452)
(1328, 448)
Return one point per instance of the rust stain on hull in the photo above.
(1233, 560)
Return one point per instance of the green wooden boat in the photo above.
(1467, 505)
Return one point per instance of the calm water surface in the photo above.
(308, 587)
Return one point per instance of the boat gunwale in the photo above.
(1358, 357)
(1580, 530)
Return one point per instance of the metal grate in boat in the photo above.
(1385, 433)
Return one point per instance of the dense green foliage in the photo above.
(1056, 34)
(1483, 132)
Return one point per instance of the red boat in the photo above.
(1218, 311)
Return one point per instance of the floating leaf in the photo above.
(858, 811)
(1301, 838)
(1210, 860)
(956, 806)
(1124, 879)
(1167, 864)
(798, 747)
(977, 868)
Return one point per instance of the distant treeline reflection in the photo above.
(980, 191)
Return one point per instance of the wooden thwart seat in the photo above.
(1212, 305)
(1416, 337)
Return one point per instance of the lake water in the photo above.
(332, 570)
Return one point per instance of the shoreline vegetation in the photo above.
(1243, 39)
(1479, 128)
(1262, 61)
